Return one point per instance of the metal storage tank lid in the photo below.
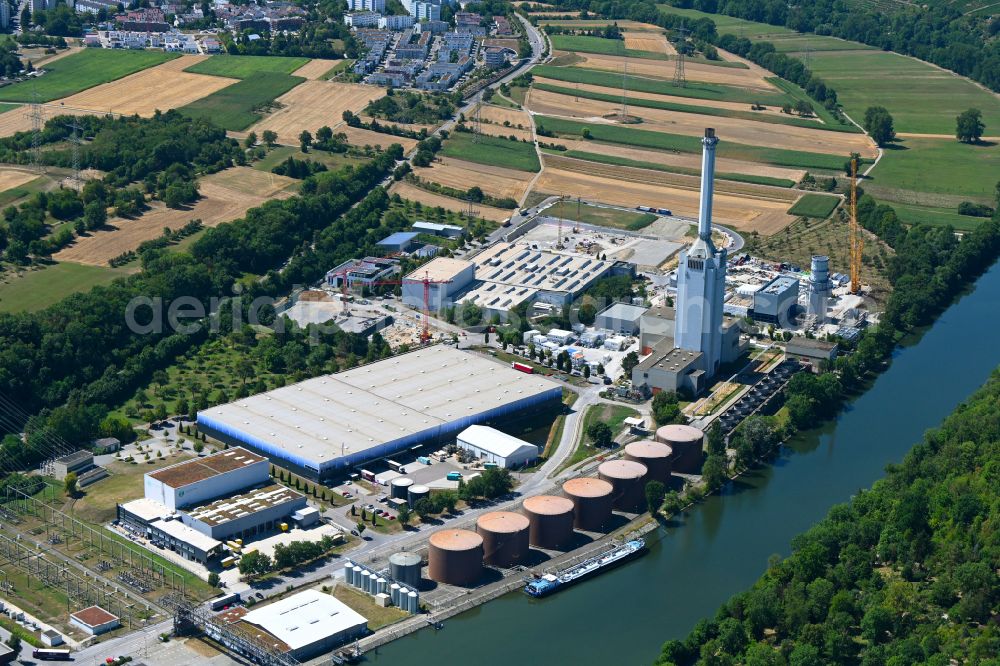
(648, 449)
(622, 469)
(587, 487)
(679, 433)
(456, 540)
(420, 489)
(548, 505)
(402, 482)
(404, 559)
(502, 521)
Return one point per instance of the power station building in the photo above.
(324, 427)
(773, 303)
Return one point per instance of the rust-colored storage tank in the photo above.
(654, 455)
(551, 521)
(505, 538)
(687, 443)
(626, 477)
(455, 557)
(591, 502)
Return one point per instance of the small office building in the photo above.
(811, 352)
(94, 620)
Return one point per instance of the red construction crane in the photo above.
(343, 290)
(425, 335)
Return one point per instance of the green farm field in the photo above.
(639, 164)
(936, 217)
(604, 217)
(586, 44)
(814, 205)
(243, 67)
(238, 106)
(37, 289)
(492, 150)
(941, 166)
(81, 71)
(737, 26)
(710, 91)
(691, 144)
(700, 110)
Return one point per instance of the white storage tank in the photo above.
(356, 579)
(413, 602)
(349, 572)
(394, 593)
(399, 487)
(381, 585)
(417, 493)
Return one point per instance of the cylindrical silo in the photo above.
(591, 502)
(356, 580)
(551, 521)
(405, 568)
(626, 477)
(505, 537)
(402, 598)
(394, 594)
(687, 443)
(349, 572)
(366, 581)
(381, 585)
(417, 493)
(413, 602)
(656, 456)
(399, 487)
(455, 557)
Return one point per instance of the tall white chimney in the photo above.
(707, 184)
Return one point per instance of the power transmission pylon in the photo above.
(680, 78)
(76, 140)
(35, 112)
(477, 123)
(625, 91)
(856, 241)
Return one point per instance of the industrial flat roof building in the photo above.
(308, 623)
(493, 446)
(773, 302)
(811, 351)
(202, 479)
(620, 318)
(447, 277)
(447, 230)
(401, 241)
(325, 426)
(94, 620)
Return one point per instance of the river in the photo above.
(722, 545)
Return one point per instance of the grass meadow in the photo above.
(492, 150)
(814, 205)
(244, 67)
(238, 106)
(39, 288)
(600, 45)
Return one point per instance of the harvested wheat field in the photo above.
(742, 213)
(414, 193)
(19, 119)
(491, 129)
(752, 79)
(494, 117)
(314, 69)
(162, 87)
(362, 137)
(225, 196)
(684, 160)
(645, 41)
(624, 25)
(12, 177)
(313, 104)
(635, 94)
(493, 180)
(736, 130)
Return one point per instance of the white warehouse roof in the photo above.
(305, 618)
(330, 416)
(493, 441)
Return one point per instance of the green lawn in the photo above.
(701, 110)
(691, 144)
(83, 70)
(279, 154)
(936, 217)
(492, 150)
(814, 205)
(243, 67)
(342, 66)
(697, 90)
(940, 166)
(737, 26)
(613, 415)
(238, 106)
(604, 217)
(38, 289)
(624, 161)
(586, 44)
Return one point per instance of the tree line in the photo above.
(905, 573)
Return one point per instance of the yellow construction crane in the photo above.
(856, 241)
